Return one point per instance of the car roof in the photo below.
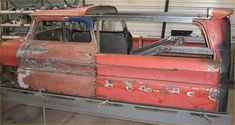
(74, 12)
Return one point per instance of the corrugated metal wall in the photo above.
(182, 6)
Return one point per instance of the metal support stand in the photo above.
(164, 23)
(3, 109)
(83, 2)
(42, 3)
(112, 109)
(44, 115)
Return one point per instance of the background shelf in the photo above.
(6, 37)
(16, 12)
(14, 25)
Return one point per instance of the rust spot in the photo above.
(108, 84)
(62, 67)
(213, 94)
(174, 91)
(32, 48)
(128, 86)
(145, 89)
(213, 66)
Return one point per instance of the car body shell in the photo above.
(77, 69)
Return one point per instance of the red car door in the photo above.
(59, 58)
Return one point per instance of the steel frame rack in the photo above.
(112, 109)
(150, 17)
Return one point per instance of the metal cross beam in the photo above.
(176, 49)
(150, 17)
(112, 109)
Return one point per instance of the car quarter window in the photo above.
(68, 31)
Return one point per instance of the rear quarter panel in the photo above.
(158, 80)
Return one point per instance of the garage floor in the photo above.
(21, 114)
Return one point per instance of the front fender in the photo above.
(8, 52)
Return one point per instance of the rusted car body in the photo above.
(115, 65)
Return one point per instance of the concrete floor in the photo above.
(21, 115)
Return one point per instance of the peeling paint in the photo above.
(108, 84)
(128, 86)
(213, 94)
(21, 75)
(56, 66)
(175, 91)
(46, 64)
(145, 89)
(32, 48)
(213, 66)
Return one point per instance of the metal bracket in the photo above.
(112, 109)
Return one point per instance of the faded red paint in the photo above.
(68, 52)
(159, 74)
(63, 12)
(214, 39)
(79, 85)
(220, 13)
(59, 67)
(159, 93)
(155, 62)
(8, 52)
(214, 29)
(170, 75)
(75, 12)
(75, 68)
